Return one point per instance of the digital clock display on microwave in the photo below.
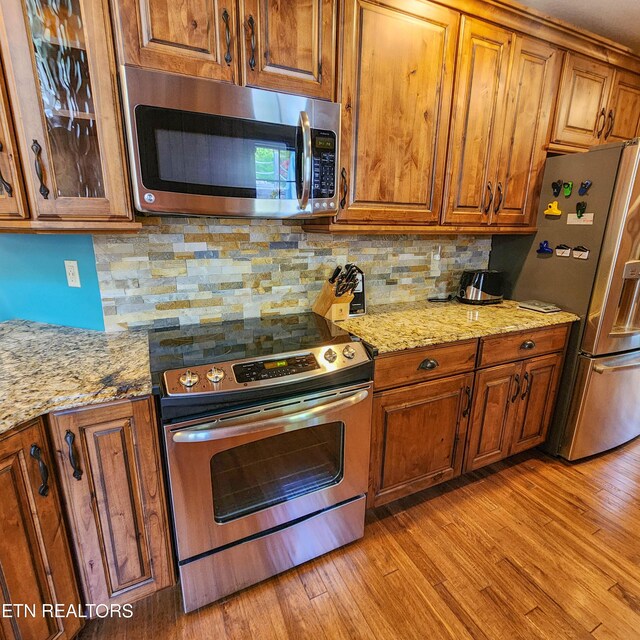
(325, 142)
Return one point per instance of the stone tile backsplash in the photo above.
(181, 270)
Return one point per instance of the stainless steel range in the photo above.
(267, 453)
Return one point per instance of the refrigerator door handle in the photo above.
(602, 368)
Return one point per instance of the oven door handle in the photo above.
(291, 422)
(306, 160)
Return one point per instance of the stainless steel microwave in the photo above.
(198, 146)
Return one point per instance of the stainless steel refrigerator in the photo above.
(598, 406)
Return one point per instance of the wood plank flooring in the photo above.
(529, 548)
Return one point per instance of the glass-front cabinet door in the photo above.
(61, 78)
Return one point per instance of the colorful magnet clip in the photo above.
(544, 247)
(584, 187)
(552, 209)
(556, 188)
(567, 187)
(581, 207)
(580, 252)
(563, 251)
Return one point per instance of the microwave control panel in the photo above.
(323, 153)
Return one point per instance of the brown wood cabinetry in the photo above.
(35, 561)
(511, 409)
(418, 436)
(194, 37)
(13, 205)
(397, 76)
(623, 114)
(505, 87)
(290, 46)
(108, 460)
(60, 70)
(581, 112)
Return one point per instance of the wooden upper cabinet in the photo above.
(418, 436)
(623, 114)
(480, 101)
(108, 460)
(533, 84)
(60, 75)
(396, 97)
(290, 46)
(35, 560)
(193, 37)
(13, 204)
(581, 111)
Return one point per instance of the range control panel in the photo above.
(241, 375)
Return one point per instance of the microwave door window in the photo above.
(204, 154)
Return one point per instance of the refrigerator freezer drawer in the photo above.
(605, 409)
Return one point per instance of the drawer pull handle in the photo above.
(517, 393)
(69, 438)
(528, 344)
(36, 454)
(467, 409)
(429, 364)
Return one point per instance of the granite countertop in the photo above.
(395, 327)
(45, 368)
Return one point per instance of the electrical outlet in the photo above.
(73, 275)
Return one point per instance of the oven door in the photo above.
(203, 147)
(250, 471)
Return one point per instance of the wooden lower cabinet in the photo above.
(418, 436)
(511, 409)
(108, 459)
(35, 560)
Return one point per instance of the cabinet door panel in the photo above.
(623, 116)
(295, 46)
(532, 89)
(396, 97)
(13, 205)
(60, 75)
(116, 508)
(493, 415)
(540, 386)
(35, 562)
(478, 118)
(187, 37)
(582, 100)
(419, 436)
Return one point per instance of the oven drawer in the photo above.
(522, 344)
(417, 365)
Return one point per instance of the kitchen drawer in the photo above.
(522, 344)
(417, 365)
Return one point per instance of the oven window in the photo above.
(264, 473)
(203, 154)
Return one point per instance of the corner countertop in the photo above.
(46, 368)
(396, 327)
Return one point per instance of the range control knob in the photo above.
(189, 378)
(215, 374)
(330, 355)
(349, 352)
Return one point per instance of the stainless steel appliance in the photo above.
(587, 260)
(481, 286)
(267, 453)
(198, 146)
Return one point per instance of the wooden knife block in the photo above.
(331, 306)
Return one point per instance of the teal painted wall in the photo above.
(33, 283)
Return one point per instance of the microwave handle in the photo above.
(306, 160)
(290, 422)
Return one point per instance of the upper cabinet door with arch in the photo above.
(581, 112)
(60, 74)
(396, 98)
(623, 115)
(290, 46)
(193, 37)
